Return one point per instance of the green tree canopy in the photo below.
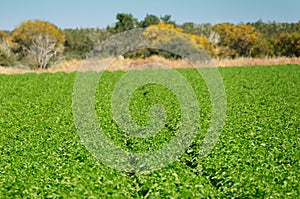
(125, 22)
(149, 20)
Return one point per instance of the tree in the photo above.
(236, 41)
(167, 19)
(4, 34)
(125, 22)
(149, 20)
(264, 47)
(6, 56)
(38, 42)
(289, 44)
(80, 42)
(164, 34)
(203, 30)
(42, 50)
(274, 29)
(188, 27)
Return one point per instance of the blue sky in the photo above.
(100, 13)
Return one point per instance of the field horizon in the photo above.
(128, 64)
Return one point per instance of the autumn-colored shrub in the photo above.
(236, 41)
(38, 42)
(289, 44)
(164, 34)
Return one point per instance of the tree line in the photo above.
(40, 44)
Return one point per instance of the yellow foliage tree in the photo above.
(204, 43)
(39, 41)
(28, 30)
(157, 35)
(236, 41)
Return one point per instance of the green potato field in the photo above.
(257, 154)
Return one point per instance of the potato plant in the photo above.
(257, 155)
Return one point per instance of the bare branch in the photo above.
(42, 50)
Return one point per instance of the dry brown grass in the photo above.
(256, 61)
(151, 62)
(13, 70)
